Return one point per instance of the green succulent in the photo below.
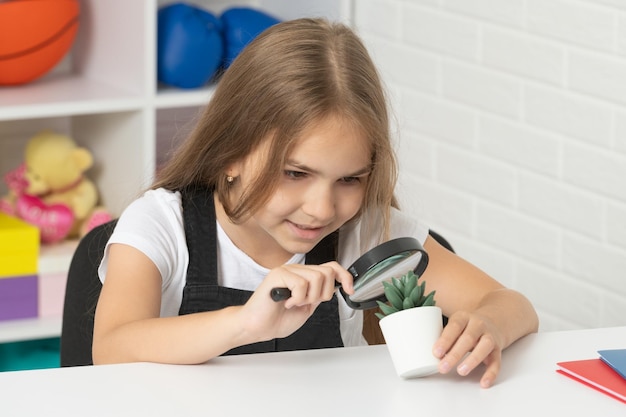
(404, 293)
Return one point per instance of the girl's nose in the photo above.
(319, 203)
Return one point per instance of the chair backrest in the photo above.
(81, 295)
(441, 240)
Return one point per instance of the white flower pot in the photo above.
(410, 336)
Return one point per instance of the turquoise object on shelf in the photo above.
(31, 354)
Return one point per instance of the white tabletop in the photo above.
(330, 382)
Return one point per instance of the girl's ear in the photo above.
(233, 170)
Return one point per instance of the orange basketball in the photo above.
(34, 36)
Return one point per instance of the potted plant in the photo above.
(411, 323)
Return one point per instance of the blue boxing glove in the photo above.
(240, 26)
(190, 47)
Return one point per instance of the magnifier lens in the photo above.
(370, 285)
(391, 259)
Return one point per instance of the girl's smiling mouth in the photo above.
(305, 232)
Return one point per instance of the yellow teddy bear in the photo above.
(56, 196)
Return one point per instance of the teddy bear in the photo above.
(50, 190)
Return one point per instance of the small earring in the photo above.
(230, 179)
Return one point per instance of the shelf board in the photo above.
(65, 95)
(30, 329)
(56, 258)
(169, 97)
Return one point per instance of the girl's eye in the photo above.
(350, 180)
(295, 174)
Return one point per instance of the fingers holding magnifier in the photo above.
(341, 276)
(310, 284)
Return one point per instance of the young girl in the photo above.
(293, 146)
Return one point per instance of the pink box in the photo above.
(52, 294)
(18, 297)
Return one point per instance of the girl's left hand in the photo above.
(468, 340)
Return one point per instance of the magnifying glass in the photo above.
(391, 259)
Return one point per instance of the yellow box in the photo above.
(19, 247)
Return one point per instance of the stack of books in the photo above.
(19, 252)
(606, 373)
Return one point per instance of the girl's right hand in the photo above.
(265, 319)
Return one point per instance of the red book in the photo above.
(596, 374)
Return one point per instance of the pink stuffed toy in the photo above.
(50, 190)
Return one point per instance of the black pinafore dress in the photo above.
(202, 292)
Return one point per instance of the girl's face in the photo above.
(322, 187)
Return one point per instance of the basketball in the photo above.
(34, 36)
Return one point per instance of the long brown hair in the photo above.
(291, 76)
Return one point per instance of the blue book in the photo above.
(616, 359)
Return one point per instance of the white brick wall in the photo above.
(511, 125)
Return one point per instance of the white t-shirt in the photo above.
(153, 224)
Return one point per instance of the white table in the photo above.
(330, 382)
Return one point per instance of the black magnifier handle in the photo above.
(280, 294)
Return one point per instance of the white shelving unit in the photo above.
(105, 95)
